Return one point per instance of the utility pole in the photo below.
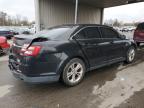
(76, 11)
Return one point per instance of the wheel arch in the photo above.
(70, 58)
(84, 60)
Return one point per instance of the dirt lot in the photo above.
(115, 86)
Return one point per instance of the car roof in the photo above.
(81, 25)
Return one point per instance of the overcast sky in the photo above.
(18, 7)
(127, 13)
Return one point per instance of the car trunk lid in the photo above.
(19, 41)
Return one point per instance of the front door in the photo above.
(113, 45)
(89, 40)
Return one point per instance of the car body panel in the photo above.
(55, 54)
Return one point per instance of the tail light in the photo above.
(30, 51)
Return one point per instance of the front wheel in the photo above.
(131, 53)
(73, 72)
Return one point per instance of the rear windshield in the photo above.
(59, 33)
(141, 26)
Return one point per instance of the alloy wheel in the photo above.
(75, 72)
(131, 55)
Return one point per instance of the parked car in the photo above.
(14, 32)
(25, 31)
(124, 30)
(6, 33)
(4, 45)
(139, 34)
(66, 52)
(131, 29)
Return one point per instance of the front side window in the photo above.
(88, 33)
(108, 33)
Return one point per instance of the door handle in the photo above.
(88, 44)
(104, 43)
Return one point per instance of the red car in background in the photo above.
(4, 45)
(139, 34)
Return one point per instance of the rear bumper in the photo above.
(33, 80)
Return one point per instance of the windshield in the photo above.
(61, 33)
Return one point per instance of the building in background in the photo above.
(56, 12)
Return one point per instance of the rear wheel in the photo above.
(73, 72)
(131, 53)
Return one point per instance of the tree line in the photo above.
(117, 23)
(18, 20)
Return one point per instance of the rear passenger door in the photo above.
(89, 39)
(112, 45)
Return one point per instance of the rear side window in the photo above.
(108, 33)
(141, 26)
(88, 33)
(59, 33)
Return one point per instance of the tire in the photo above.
(73, 72)
(131, 53)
